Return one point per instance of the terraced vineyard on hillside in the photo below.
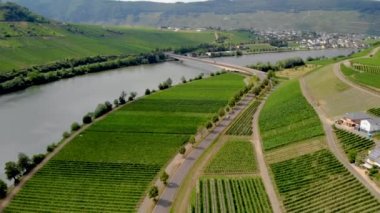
(288, 118)
(243, 124)
(317, 182)
(231, 195)
(109, 166)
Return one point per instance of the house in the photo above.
(353, 119)
(370, 125)
(373, 158)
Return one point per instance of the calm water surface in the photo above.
(33, 118)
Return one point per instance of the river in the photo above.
(36, 117)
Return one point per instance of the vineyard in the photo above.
(231, 195)
(235, 157)
(114, 187)
(375, 111)
(366, 68)
(353, 143)
(287, 117)
(362, 77)
(243, 124)
(317, 182)
(109, 166)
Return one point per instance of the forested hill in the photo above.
(360, 16)
(11, 12)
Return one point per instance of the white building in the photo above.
(370, 125)
(373, 158)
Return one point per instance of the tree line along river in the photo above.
(36, 117)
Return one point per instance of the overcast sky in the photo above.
(169, 1)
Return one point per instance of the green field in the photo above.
(287, 117)
(317, 182)
(115, 159)
(46, 43)
(352, 143)
(235, 157)
(243, 124)
(374, 60)
(231, 195)
(371, 79)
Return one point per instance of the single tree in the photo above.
(147, 92)
(75, 127)
(87, 119)
(182, 150)
(116, 102)
(66, 135)
(192, 139)
(153, 193)
(12, 171)
(24, 163)
(183, 79)
(122, 98)
(164, 177)
(209, 125)
(51, 147)
(108, 106)
(37, 159)
(132, 96)
(3, 189)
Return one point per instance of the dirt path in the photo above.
(168, 195)
(333, 145)
(338, 73)
(263, 169)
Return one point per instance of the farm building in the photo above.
(353, 119)
(370, 125)
(373, 158)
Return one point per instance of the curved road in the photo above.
(334, 148)
(338, 73)
(175, 181)
(269, 188)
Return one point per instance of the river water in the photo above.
(36, 117)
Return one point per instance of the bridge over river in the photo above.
(226, 66)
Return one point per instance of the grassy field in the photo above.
(335, 97)
(243, 124)
(374, 60)
(231, 195)
(235, 157)
(371, 79)
(317, 182)
(287, 117)
(50, 42)
(115, 159)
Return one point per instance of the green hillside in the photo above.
(27, 39)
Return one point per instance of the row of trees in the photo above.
(280, 65)
(18, 80)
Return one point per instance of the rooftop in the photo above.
(357, 116)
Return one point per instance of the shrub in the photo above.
(215, 119)
(132, 96)
(66, 135)
(147, 92)
(12, 171)
(102, 109)
(108, 106)
(209, 125)
(3, 189)
(192, 139)
(116, 102)
(182, 150)
(51, 147)
(122, 98)
(153, 192)
(352, 156)
(222, 112)
(87, 119)
(75, 127)
(37, 159)
(164, 177)
(183, 79)
(24, 163)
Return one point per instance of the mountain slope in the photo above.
(217, 13)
